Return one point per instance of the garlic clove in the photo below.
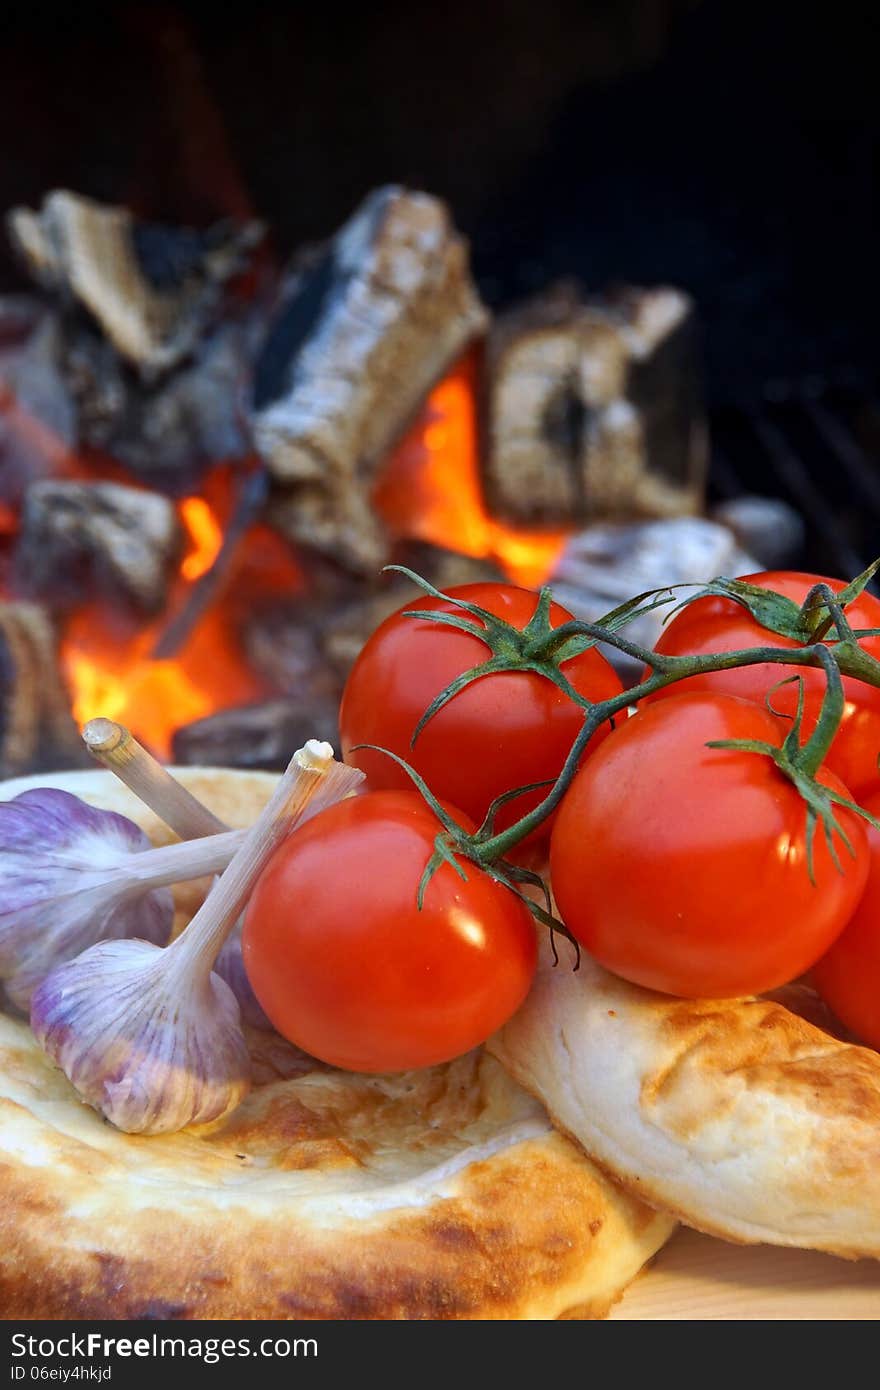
(112, 1020)
(35, 943)
(57, 859)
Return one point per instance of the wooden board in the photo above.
(697, 1278)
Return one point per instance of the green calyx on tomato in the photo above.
(500, 729)
(819, 615)
(800, 762)
(678, 858)
(823, 612)
(539, 646)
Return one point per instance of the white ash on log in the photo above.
(80, 540)
(37, 730)
(362, 334)
(605, 565)
(151, 289)
(593, 408)
(255, 736)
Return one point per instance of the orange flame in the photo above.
(111, 670)
(430, 489)
(205, 534)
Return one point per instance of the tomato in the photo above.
(350, 970)
(719, 625)
(848, 976)
(505, 731)
(684, 868)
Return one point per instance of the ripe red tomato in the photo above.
(350, 970)
(720, 625)
(684, 868)
(506, 730)
(848, 976)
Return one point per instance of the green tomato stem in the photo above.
(668, 670)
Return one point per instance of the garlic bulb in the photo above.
(110, 1021)
(72, 875)
(152, 1038)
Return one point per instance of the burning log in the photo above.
(36, 727)
(151, 289)
(81, 540)
(363, 333)
(165, 432)
(593, 409)
(144, 352)
(255, 736)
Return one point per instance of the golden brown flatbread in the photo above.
(442, 1193)
(742, 1118)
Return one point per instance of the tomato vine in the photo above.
(819, 625)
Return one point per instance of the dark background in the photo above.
(728, 150)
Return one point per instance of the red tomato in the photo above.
(684, 868)
(848, 976)
(720, 625)
(504, 731)
(350, 970)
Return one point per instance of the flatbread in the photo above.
(443, 1193)
(741, 1117)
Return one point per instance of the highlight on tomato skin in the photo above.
(684, 868)
(848, 975)
(506, 730)
(346, 965)
(719, 624)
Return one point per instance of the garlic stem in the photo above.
(118, 750)
(313, 780)
(176, 863)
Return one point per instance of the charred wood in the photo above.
(286, 652)
(85, 540)
(166, 432)
(255, 736)
(593, 409)
(38, 426)
(362, 334)
(152, 290)
(36, 727)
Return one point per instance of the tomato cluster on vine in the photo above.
(700, 832)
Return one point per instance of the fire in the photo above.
(112, 671)
(205, 534)
(431, 490)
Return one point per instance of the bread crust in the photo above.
(438, 1194)
(742, 1118)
